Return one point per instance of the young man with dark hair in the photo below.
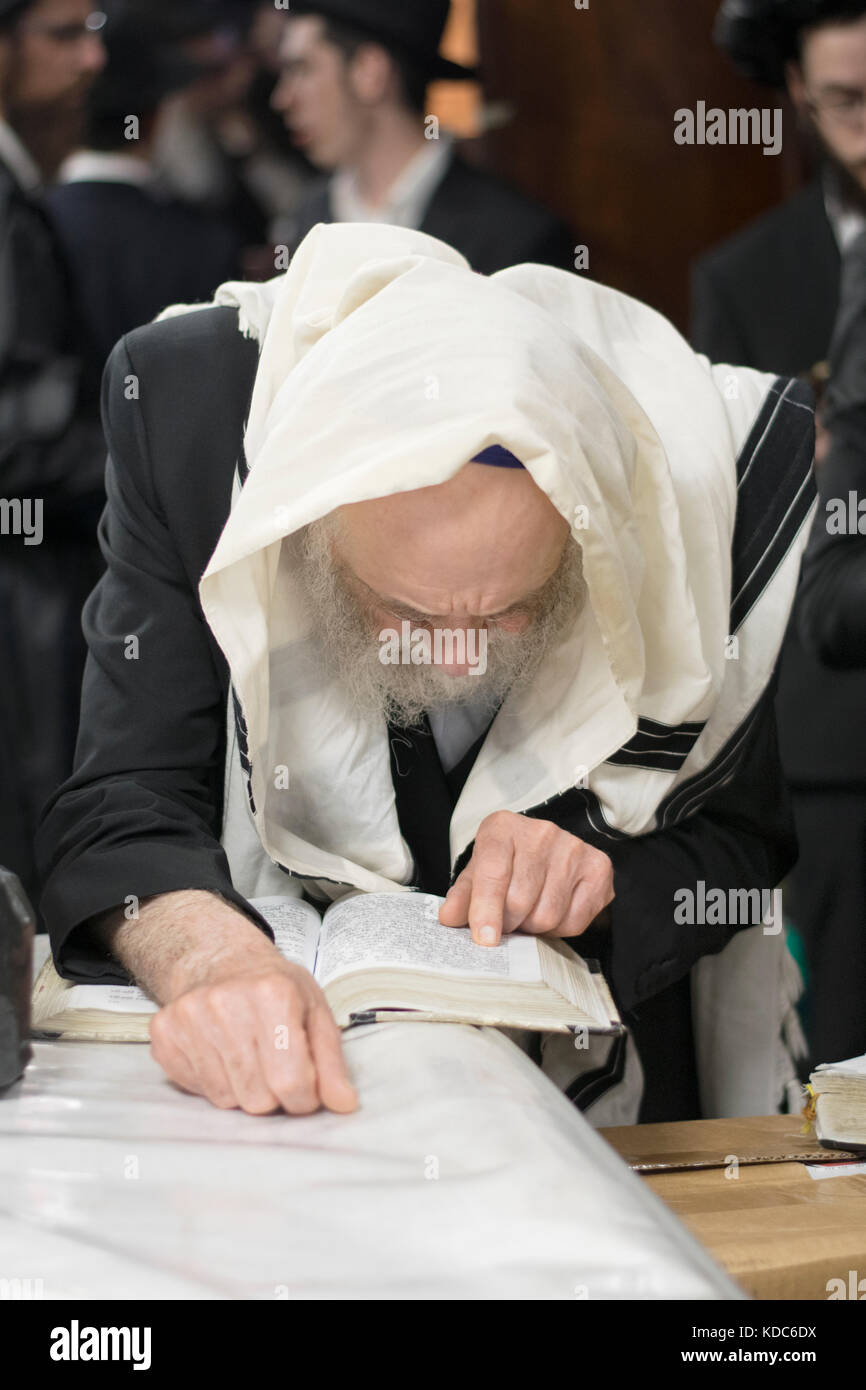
(768, 298)
(354, 80)
(132, 248)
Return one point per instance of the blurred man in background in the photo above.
(353, 90)
(54, 52)
(131, 246)
(220, 146)
(51, 447)
(833, 601)
(768, 298)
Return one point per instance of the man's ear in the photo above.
(797, 87)
(371, 73)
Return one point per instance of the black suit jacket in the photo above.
(488, 222)
(131, 255)
(832, 611)
(767, 297)
(51, 451)
(142, 812)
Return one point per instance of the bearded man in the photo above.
(768, 298)
(384, 442)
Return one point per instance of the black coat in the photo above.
(488, 222)
(833, 606)
(131, 254)
(51, 451)
(767, 297)
(142, 812)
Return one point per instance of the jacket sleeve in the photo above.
(741, 837)
(832, 605)
(140, 813)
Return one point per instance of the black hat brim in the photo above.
(446, 71)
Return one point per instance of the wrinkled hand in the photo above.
(529, 874)
(261, 1038)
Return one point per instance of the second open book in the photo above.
(378, 957)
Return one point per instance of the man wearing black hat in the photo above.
(768, 298)
(52, 453)
(355, 74)
(132, 248)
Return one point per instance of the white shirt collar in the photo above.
(18, 159)
(408, 196)
(100, 166)
(847, 222)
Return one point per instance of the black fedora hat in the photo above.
(414, 27)
(761, 36)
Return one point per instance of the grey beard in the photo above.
(349, 639)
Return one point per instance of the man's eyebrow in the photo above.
(399, 609)
(839, 89)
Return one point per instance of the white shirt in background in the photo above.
(409, 195)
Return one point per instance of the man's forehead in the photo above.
(475, 490)
(301, 33)
(836, 53)
(487, 534)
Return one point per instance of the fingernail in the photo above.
(487, 936)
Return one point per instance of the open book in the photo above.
(378, 957)
(840, 1104)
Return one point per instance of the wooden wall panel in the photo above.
(595, 93)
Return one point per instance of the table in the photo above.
(465, 1174)
(780, 1232)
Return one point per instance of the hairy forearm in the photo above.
(181, 940)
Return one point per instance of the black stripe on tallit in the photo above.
(775, 490)
(658, 747)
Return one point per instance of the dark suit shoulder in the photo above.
(192, 379)
(315, 208)
(497, 196)
(493, 224)
(194, 367)
(800, 218)
(210, 333)
(91, 202)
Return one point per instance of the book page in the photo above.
(296, 925)
(113, 999)
(387, 931)
(571, 977)
(853, 1066)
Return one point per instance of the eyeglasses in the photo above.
(843, 108)
(67, 33)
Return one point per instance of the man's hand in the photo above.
(260, 1038)
(239, 1025)
(529, 874)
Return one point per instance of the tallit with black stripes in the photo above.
(387, 364)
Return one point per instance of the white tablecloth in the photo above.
(464, 1174)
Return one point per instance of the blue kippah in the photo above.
(497, 457)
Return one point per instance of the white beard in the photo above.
(349, 637)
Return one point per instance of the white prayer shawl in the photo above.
(385, 365)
